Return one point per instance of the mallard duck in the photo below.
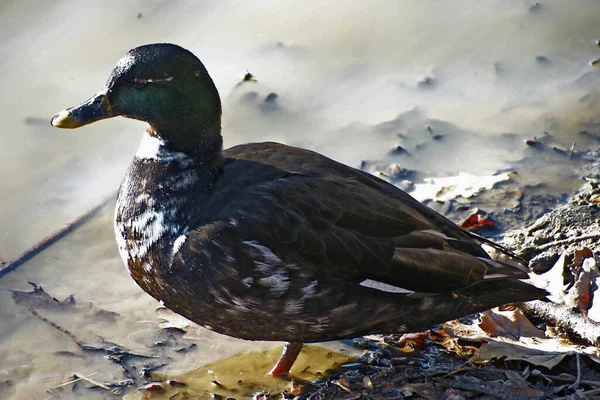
(265, 241)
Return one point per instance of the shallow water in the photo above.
(353, 82)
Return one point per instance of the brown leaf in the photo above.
(511, 323)
(580, 256)
(579, 296)
(343, 383)
(409, 342)
(497, 350)
(451, 343)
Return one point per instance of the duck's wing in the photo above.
(329, 219)
(295, 248)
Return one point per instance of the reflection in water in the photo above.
(243, 375)
(458, 85)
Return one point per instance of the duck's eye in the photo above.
(138, 82)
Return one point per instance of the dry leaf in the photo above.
(510, 351)
(450, 343)
(593, 311)
(478, 220)
(512, 323)
(552, 280)
(535, 350)
(343, 383)
(409, 342)
(39, 298)
(579, 296)
(580, 256)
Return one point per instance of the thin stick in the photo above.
(575, 384)
(70, 382)
(93, 382)
(60, 328)
(564, 318)
(592, 236)
(582, 395)
(6, 267)
(568, 379)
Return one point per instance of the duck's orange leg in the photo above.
(288, 356)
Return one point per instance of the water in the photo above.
(353, 82)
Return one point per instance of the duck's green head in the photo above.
(162, 84)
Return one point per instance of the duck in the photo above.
(265, 241)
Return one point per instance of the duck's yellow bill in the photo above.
(92, 110)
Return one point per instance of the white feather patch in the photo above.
(268, 255)
(384, 287)
(274, 277)
(178, 243)
(154, 148)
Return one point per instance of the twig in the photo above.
(576, 239)
(575, 384)
(6, 267)
(60, 328)
(582, 395)
(93, 382)
(564, 318)
(568, 379)
(70, 382)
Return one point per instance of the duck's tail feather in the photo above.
(477, 298)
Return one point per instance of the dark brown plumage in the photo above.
(271, 242)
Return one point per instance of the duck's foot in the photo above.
(288, 356)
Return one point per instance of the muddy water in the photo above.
(352, 81)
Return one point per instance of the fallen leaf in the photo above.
(593, 312)
(579, 296)
(39, 298)
(495, 349)
(511, 322)
(535, 350)
(465, 185)
(451, 343)
(409, 342)
(552, 280)
(478, 220)
(343, 383)
(584, 277)
(580, 256)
